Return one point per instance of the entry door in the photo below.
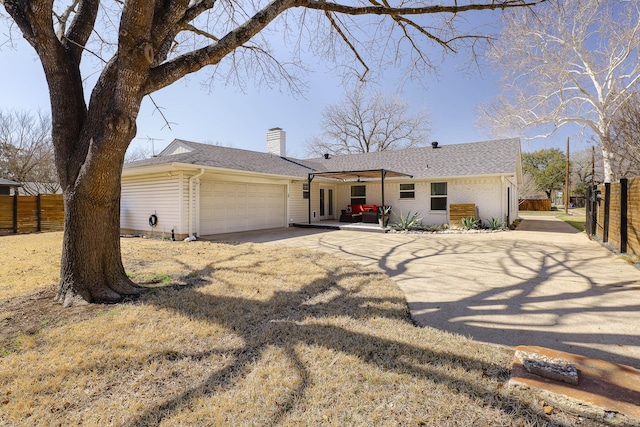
(326, 203)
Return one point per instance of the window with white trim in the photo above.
(305, 190)
(407, 191)
(358, 194)
(438, 196)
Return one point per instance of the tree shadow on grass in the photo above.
(307, 316)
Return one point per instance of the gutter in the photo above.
(193, 198)
(173, 166)
(503, 184)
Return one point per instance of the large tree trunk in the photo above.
(91, 265)
(609, 175)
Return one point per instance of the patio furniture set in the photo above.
(360, 213)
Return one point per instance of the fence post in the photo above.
(594, 210)
(607, 206)
(624, 206)
(15, 212)
(39, 212)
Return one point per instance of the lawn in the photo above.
(239, 335)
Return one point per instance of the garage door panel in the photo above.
(229, 207)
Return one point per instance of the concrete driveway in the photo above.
(543, 284)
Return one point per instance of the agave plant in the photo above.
(384, 210)
(407, 222)
(470, 223)
(496, 223)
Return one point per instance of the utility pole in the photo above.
(593, 165)
(566, 181)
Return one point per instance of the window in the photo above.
(438, 196)
(305, 190)
(358, 194)
(407, 191)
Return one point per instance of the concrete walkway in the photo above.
(543, 284)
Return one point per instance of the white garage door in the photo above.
(227, 207)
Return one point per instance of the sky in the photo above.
(230, 117)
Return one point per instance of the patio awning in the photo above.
(356, 176)
(361, 174)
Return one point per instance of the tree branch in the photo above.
(64, 18)
(200, 32)
(424, 10)
(167, 73)
(346, 40)
(81, 27)
(196, 10)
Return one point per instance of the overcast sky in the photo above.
(233, 118)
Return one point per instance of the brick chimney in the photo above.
(277, 142)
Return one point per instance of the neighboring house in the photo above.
(8, 187)
(34, 188)
(198, 189)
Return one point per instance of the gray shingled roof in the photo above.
(231, 158)
(479, 158)
(473, 159)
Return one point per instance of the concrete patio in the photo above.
(544, 284)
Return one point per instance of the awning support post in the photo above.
(309, 179)
(382, 175)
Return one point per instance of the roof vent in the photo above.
(327, 156)
(434, 144)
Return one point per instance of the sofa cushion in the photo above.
(359, 208)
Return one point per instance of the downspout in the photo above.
(502, 214)
(509, 205)
(192, 197)
(382, 174)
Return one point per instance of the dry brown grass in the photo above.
(239, 335)
(29, 262)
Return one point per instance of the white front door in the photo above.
(326, 200)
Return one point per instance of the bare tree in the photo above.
(361, 123)
(626, 137)
(570, 62)
(137, 153)
(586, 166)
(146, 45)
(26, 151)
(528, 189)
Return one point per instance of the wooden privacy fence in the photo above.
(535, 205)
(613, 214)
(29, 214)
